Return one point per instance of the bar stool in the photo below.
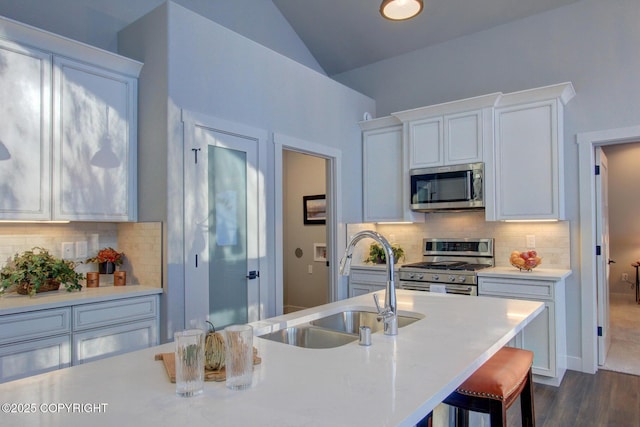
(494, 387)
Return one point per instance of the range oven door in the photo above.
(451, 288)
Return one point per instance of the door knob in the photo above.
(611, 261)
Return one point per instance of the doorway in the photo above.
(305, 270)
(592, 302)
(624, 243)
(333, 212)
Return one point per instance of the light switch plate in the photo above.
(68, 250)
(531, 241)
(81, 249)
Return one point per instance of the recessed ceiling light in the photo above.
(400, 10)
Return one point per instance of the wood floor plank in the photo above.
(604, 399)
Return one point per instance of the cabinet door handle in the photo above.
(253, 275)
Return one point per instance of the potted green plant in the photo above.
(36, 271)
(378, 256)
(107, 259)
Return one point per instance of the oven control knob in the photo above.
(452, 278)
(462, 279)
(436, 277)
(420, 276)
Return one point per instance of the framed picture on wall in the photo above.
(315, 209)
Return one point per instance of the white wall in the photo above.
(592, 43)
(207, 69)
(97, 22)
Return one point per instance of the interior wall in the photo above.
(552, 47)
(624, 207)
(97, 22)
(305, 280)
(218, 73)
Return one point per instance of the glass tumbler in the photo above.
(238, 356)
(189, 362)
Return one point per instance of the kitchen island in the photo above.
(394, 382)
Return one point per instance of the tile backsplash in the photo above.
(141, 243)
(552, 239)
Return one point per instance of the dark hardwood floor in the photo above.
(604, 399)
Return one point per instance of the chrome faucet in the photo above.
(388, 313)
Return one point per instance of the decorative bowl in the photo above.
(525, 260)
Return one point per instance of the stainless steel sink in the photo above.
(350, 321)
(310, 337)
(334, 330)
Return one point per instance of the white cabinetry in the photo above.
(34, 342)
(25, 132)
(109, 328)
(546, 334)
(364, 280)
(449, 134)
(94, 142)
(43, 340)
(529, 165)
(385, 177)
(87, 99)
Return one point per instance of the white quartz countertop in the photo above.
(394, 382)
(15, 303)
(536, 273)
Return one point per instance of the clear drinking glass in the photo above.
(238, 356)
(189, 362)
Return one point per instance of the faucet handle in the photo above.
(377, 301)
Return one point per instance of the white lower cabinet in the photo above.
(546, 334)
(109, 328)
(44, 340)
(364, 280)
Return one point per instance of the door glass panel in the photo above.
(227, 191)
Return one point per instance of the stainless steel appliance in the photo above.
(450, 264)
(447, 188)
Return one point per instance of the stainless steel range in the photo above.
(449, 264)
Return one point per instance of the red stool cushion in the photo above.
(500, 376)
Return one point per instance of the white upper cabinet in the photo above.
(529, 169)
(95, 143)
(69, 130)
(449, 134)
(385, 177)
(25, 132)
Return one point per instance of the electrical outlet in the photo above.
(68, 250)
(625, 277)
(81, 249)
(531, 241)
(310, 269)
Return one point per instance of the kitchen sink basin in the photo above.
(350, 321)
(310, 337)
(334, 330)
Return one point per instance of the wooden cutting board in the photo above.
(169, 361)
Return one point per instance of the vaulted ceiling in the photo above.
(347, 34)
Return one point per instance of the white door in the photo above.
(602, 261)
(224, 225)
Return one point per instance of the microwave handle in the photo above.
(469, 180)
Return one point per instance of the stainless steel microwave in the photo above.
(453, 187)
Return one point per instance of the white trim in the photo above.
(334, 216)
(587, 141)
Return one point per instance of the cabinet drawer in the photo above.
(34, 357)
(100, 343)
(516, 288)
(113, 312)
(34, 324)
(369, 277)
